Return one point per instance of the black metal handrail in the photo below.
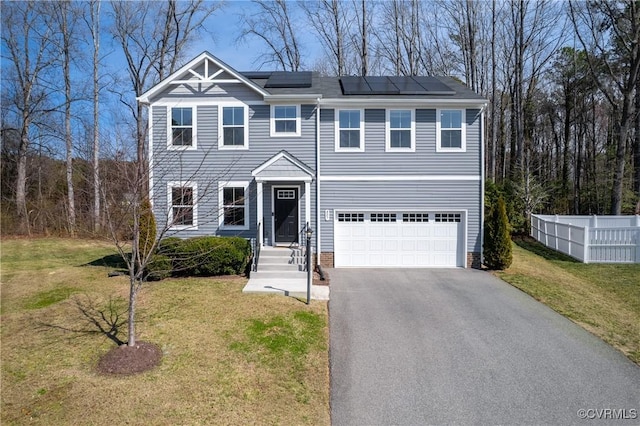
(256, 248)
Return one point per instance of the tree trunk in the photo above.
(95, 32)
(621, 134)
(21, 180)
(66, 65)
(636, 146)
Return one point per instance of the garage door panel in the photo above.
(414, 240)
(390, 245)
(359, 245)
(409, 246)
(358, 231)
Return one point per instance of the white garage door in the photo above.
(399, 239)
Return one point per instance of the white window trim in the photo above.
(194, 187)
(412, 128)
(247, 218)
(221, 144)
(272, 120)
(194, 128)
(338, 148)
(463, 136)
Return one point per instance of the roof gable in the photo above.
(282, 165)
(203, 69)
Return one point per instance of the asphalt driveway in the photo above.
(424, 346)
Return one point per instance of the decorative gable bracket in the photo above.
(206, 78)
(206, 69)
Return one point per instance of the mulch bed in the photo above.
(316, 278)
(127, 360)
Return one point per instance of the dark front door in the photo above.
(286, 215)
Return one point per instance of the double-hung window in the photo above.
(233, 127)
(350, 130)
(234, 205)
(450, 131)
(182, 128)
(182, 198)
(285, 120)
(400, 130)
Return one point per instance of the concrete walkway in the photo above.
(429, 346)
(286, 287)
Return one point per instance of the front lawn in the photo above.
(602, 298)
(228, 357)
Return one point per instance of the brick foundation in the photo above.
(326, 259)
(473, 260)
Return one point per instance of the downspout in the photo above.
(150, 164)
(482, 178)
(318, 181)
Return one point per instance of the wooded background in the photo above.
(562, 131)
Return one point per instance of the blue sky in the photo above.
(225, 27)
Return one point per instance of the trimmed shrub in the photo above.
(206, 256)
(169, 246)
(158, 268)
(497, 240)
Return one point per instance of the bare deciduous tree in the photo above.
(28, 42)
(327, 17)
(273, 24)
(610, 34)
(152, 48)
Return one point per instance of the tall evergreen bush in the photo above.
(147, 229)
(497, 239)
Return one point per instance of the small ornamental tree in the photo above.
(497, 241)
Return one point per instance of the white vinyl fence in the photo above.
(590, 239)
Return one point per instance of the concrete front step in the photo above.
(286, 275)
(276, 251)
(278, 267)
(278, 260)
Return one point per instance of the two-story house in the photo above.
(387, 171)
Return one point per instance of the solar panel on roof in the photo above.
(257, 74)
(433, 86)
(407, 85)
(381, 86)
(354, 86)
(395, 85)
(288, 79)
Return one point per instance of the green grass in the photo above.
(228, 357)
(47, 298)
(282, 338)
(603, 298)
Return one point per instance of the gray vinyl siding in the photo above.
(207, 165)
(401, 195)
(375, 161)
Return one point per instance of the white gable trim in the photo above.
(278, 156)
(206, 58)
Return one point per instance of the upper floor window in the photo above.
(233, 127)
(285, 120)
(182, 128)
(182, 201)
(350, 130)
(234, 205)
(400, 130)
(450, 132)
